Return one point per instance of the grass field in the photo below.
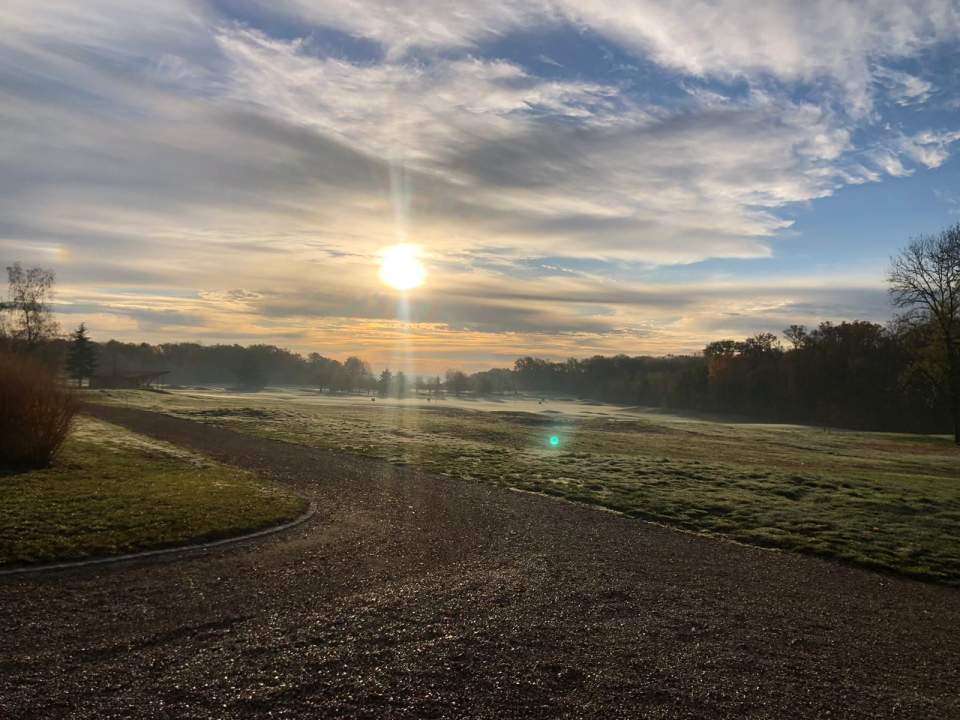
(878, 500)
(112, 492)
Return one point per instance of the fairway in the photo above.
(883, 501)
(113, 492)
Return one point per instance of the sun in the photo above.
(401, 268)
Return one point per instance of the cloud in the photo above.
(402, 25)
(930, 148)
(559, 305)
(410, 112)
(426, 145)
(889, 161)
(477, 315)
(792, 42)
(579, 163)
(475, 320)
(188, 171)
(547, 60)
(903, 88)
(237, 295)
(845, 43)
(147, 319)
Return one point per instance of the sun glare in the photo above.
(401, 268)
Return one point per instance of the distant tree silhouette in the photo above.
(494, 381)
(457, 382)
(357, 372)
(483, 385)
(323, 371)
(81, 355)
(385, 383)
(250, 375)
(797, 335)
(925, 283)
(852, 374)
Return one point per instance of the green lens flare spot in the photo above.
(554, 440)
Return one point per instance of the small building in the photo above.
(150, 379)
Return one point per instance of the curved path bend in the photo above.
(411, 596)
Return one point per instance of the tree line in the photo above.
(903, 376)
(852, 374)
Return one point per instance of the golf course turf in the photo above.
(883, 501)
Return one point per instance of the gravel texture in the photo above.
(410, 596)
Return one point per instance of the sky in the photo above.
(579, 177)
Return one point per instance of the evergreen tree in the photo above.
(81, 355)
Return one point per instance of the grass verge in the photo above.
(112, 492)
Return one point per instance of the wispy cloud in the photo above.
(843, 42)
(903, 88)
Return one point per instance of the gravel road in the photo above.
(411, 596)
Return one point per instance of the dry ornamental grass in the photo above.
(35, 412)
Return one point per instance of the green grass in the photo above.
(112, 492)
(878, 500)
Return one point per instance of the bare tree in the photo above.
(31, 291)
(925, 282)
(797, 335)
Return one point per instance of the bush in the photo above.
(35, 412)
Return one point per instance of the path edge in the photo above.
(109, 560)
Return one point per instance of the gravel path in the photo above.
(409, 596)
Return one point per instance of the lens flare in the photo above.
(401, 269)
(554, 440)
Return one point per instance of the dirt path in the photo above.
(409, 596)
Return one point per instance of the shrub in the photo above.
(35, 412)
